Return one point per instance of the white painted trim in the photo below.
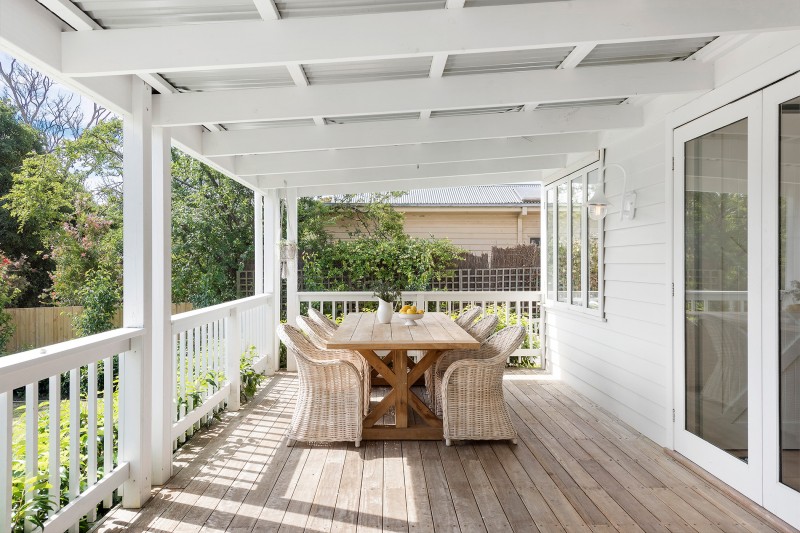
(71, 514)
(452, 92)
(267, 9)
(376, 36)
(410, 172)
(258, 237)
(192, 417)
(577, 55)
(292, 300)
(198, 317)
(445, 129)
(298, 74)
(388, 156)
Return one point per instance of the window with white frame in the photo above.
(573, 243)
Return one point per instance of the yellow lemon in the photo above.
(412, 310)
(404, 308)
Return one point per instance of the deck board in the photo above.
(575, 468)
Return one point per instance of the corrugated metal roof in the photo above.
(225, 79)
(475, 196)
(505, 61)
(354, 119)
(644, 51)
(581, 103)
(477, 111)
(323, 8)
(375, 70)
(118, 14)
(489, 3)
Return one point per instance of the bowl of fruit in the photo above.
(410, 314)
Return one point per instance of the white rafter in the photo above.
(413, 33)
(398, 96)
(267, 9)
(577, 55)
(411, 154)
(412, 172)
(298, 74)
(445, 129)
(422, 183)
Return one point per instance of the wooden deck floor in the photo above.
(576, 468)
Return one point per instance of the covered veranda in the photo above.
(295, 98)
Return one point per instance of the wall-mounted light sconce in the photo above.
(598, 203)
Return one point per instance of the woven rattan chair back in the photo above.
(484, 327)
(323, 321)
(466, 318)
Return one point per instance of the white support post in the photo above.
(272, 271)
(258, 237)
(233, 349)
(292, 299)
(163, 351)
(136, 364)
(6, 475)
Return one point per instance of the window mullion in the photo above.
(585, 243)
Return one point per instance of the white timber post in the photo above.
(272, 272)
(233, 350)
(292, 299)
(137, 383)
(258, 237)
(163, 351)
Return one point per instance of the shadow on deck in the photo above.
(576, 468)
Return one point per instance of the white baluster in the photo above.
(54, 459)
(6, 420)
(108, 422)
(31, 440)
(91, 433)
(74, 437)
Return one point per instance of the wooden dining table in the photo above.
(434, 333)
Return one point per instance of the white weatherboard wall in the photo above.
(623, 363)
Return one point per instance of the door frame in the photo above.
(744, 477)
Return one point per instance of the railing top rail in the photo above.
(189, 319)
(20, 369)
(454, 296)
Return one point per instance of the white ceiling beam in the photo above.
(398, 96)
(413, 34)
(267, 9)
(425, 183)
(189, 140)
(414, 172)
(577, 55)
(71, 14)
(454, 4)
(437, 65)
(298, 75)
(31, 33)
(413, 154)
(445, 129)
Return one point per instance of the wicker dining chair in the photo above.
(330, 405)
(473, 406)
(489, 348)
(318, 337)
(483, 328)
(466, 318)
(323, 321)
(480, 331)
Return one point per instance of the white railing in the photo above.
(716, 301)
(74, 467)
(207, 358)
(513, 308)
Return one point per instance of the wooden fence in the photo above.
(42, 326)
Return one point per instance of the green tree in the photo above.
(212, 232)
(17, 141)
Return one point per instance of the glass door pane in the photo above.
(594, 247)
(715, 316)
(789, 297)
(551, 270)
(577, 227)
(562, 228)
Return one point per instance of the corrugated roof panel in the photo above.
(581, 103)
(268, 124)
(326, 8)
(506, 61)
(353, 119)
(645, 51)
(476, 111)
(479, 195)
(119, 14)
(240, 78)
(376, 70)
(490, 3)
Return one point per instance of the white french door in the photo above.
(737, 288)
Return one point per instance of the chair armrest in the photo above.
(468, 365)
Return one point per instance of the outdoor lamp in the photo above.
(598, 203)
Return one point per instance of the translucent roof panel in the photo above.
(326, 8)
(581, 103)
(489, 3)
(377, 70)
(644, 52)
(476, 111)
(225, 79)
(118, 14)
(506, 61)
(353, 119)
(264, 124)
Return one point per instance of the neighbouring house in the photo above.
(476, 218)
